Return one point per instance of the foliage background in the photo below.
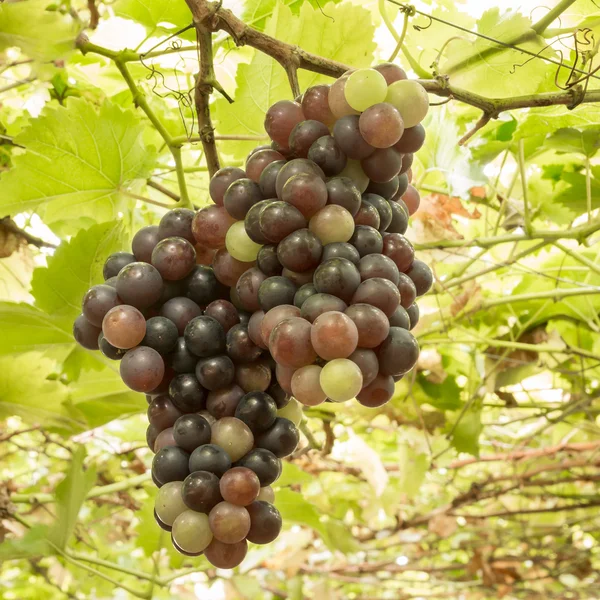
(479, 480)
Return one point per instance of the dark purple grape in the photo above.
(240, 348)
(203, 287)
(382, 165)
(281, 118)
(115, 262)
(278, 394)
(224, 401)
(344, 192)
(378, 265)
(200, 491)
(347, 134)
(204, 337)
(247, 288)
(299, 279)
(281, 438)
(268, 262)
(367, 240)
(210, 458)
(142, 369)
(161, 335)
(304, 135)
(268, 179)
(275, 291)
(399, 352)
(386, 190)
(164, 439)
(97, 301)
(326, 153)
(221, 180)
(252, 223)
(295, 167)
(177, 223)
(144, 242)
(372, 324)
(367, 362)
(400, 250)
(400, 318)
(162, 413)
(181, 311)
(421, 276)
(170, 464)
(226, 556)
(383, 208)
(378, 392)
(210, 226)
(367, 215)
(403, 184)
(240, 196)
(191, 431)
(108, 350)
(378, 292)
(338, 277)
(279, 219)
(263, 463)
(151, 435)
(300, 251)
(407, 161)
(228, 269)
(139, 284)
(171, 289)
(413, 315)
(407, 289)
(253, 377)
(265, 522)
(186, 393)
(174, 258)
(258, 410)
(412, 139)
(224, 312)
(215, 372)
(399, 222)
(304, 293)
(315, 104)
(341, 250)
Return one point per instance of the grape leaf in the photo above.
(569, 139)
(33, 543)
(155, 15)
(262, 82)
(75, 267)
(40, 34)
(549, 119)
(256, 12)
(70, 494)
(77, 159)
(465, 437)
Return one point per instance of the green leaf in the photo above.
(292, 474)
(155, 15)
(40, 34)
(27, 391)
(33, 543)
(568, 139)
(256, 12)
(574, 195)
(549, 119)
(75, 267)
(70, 494)
(445, 395)
(466, 433)
(77, 160)
(262, 82)
(413, 465)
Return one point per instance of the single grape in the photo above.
(258, 410)
(162, 525)
(240, 348)
(240, 196)
(367, 362)
(378, 292)
(382, 165)
(180, 311)
(354, 171)
(371, 324)
(210, 458)
(399, 352)
(367, 240)
(327, 153)
(412, 199)
(115, 262)
(331, 224)
(112, 281)
(399, 222)
(191, 431)
(275, 291)
(268, 262)
(254, 327)
(224, 312)
(290, 343)
(284, 377)
(139, 284)
(226, 556)
(278, 219)
(161, 335)
(300, 251)
(292, 412)
(97, 301)
(265, 522)
(299, 279)
(164, 439)
(223, 401)
(191, 533)
(304, 135)
(203, 287)
(263, 463)
(123, 327)
(268, 179)
(281, 118)
(295, 167)
(248, 286)
(303, 294)
(399, 249)
(367, 215)
(346, 133)
(400, 318)
(170, 464)
(378, 265)
(186, 393)
(337, 99)
(253, 378)
(421, 276)
(341, 379)
(169, 503)
(318, 304)
(162, 413)
(239, 244)
(364, 88)
(177, 223)
(215, 372)
(343, 192)
(338, 277)
(108, 350)
(227, 269)
(315, 104)
(234, 436)
(381, 125)
(413, 315)
(383, 208)
(407, 289)
(240, 486)
(221, 180)
(411, 100)
(200, 491)
(333, 335)
(407, 161)
(273, 317)
(259, 161)
(266, 494)
(281, 438)
(174, 258)
(181, 359)
(403, 184)
(391, 72)
(341, 250)
(171, 289)
(306, 386)
(210, 226)
(378, 392)
(204, 337)
(305, 191)
(87, 335)
(204, 255)
(412, 139)
(386, 190)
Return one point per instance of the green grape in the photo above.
(364, 88)
(291, 411)
(239, 244)
(191, 531)
(333, 223)
(341, 379)
(354, 171)
(411, 100)
(169, 503)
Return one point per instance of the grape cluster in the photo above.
(295, 287)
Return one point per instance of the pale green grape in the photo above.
(291, 411)
(333, 223)
(191, 531)
(364, 88)
(341, 379)
(354, 171)
(266, 494)
(411, 100)
(239, 244)
(169, 504)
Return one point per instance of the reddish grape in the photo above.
(224, 312)
(142, 369)
(279, 219)
(391, 72)
(337, 99)
(222, 402)
(97, 301)
(371, 323)
(346, 133)
(381, 125)
(226, 556)
(315, 104)
(259, 161)
(407, 161)
(221, 180)
(399, 249)
(412, 199)
(307, 192)
(382, 165)
(210, 226)
(228, 269)
(378, 392)
(378, 265)
(407, 289)
(144, 241)
(181, 311)
(281, 118)
(412, 139)
(254, 328)
(334, 335)
(290, 343)
(240, 347)
(247, 288)
(204, 256)
(124, 327)
(367, 215)
(366, 360)
(284, 377)
(300, 251)
(378, 292)
(239, 486)
(318, 304)
(421, 276)
(295, 167)
(304, 135)
(273, 317)
(174, 258)
(241, 196)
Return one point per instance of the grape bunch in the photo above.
(296, 286)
